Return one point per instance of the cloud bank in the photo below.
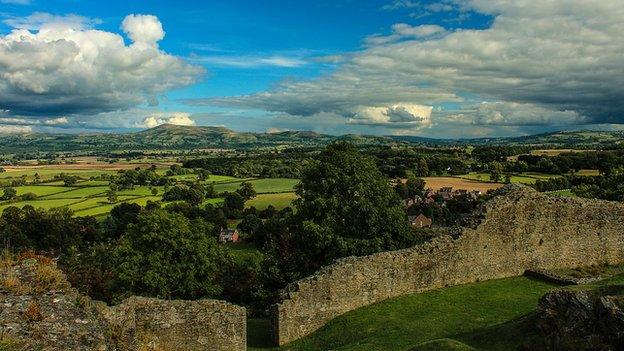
(553, 62)
(51, 65)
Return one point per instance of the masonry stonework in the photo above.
(142, 323)
(521, 229)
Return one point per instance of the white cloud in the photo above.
(143, 29)
(38, 20)
(249, 61)
(34, 122)
(402, 31)
(61, 66)
(553, 62)
(177, 118)
(56, 121)
(394, 116)
(514, 114)
(13, 129)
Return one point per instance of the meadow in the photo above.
(88, 197)
(490, 315)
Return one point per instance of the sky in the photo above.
(444, 69)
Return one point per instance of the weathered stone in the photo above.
(62, 319)
(521, 229)
(580, 320)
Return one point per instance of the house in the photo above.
(420, 221)
(228, 235)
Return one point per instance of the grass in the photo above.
(79, 193)
(279, 201)
(262, 186)
(524, 178)
(490, 315)
(404, 322)
(41, 190)
(88, 197)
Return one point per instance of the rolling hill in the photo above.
(174, 137)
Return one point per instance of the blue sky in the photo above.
(436, 68)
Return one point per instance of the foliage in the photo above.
(148, 257)
(193, 194)
(9, 193)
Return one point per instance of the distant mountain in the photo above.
(174, 137)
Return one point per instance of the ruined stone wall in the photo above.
(141, 323)
(522, 229)
(39, 310)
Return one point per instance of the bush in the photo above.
(166, 255)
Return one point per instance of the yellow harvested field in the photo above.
(436, 183)
(556, 152)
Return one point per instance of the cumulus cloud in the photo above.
(402, 31)
(177, 118)
(53, 65)
(143, 29)
(539, 63)
(394, 116)
(14, 129)
(513, 114)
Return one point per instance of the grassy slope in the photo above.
(404, 322)
(491, 315)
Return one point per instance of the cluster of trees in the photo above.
(128, 179)
(346, 207)
(266, 165)
(609, 186)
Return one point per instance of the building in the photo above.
(420, 221)
(228, 235)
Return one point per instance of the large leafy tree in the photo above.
(166, 255)
(346, 206)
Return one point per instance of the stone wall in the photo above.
(522, 229)
(141, 323)
(40, 311)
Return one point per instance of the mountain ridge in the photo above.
(176, 137)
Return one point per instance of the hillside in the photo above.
(174, 137)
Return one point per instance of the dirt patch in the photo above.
(436, 183)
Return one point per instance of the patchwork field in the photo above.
(524, 178)
(89, 197)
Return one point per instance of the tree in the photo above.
(249, 224)
(496, 171)
(111, 195)
(148, 257)
(423, 168)
(9, 193)
(154, 191)
(415, 187)
(345, 207)
(246, 190)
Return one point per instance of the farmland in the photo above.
(88, 196)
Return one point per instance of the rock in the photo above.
(580, 320)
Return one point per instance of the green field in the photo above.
(484, 316)
(279, 201)
(262, 186)
(88, 197)
(524, 178)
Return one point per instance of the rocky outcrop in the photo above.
(39, 310)
(521, 230)
(581, 320)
